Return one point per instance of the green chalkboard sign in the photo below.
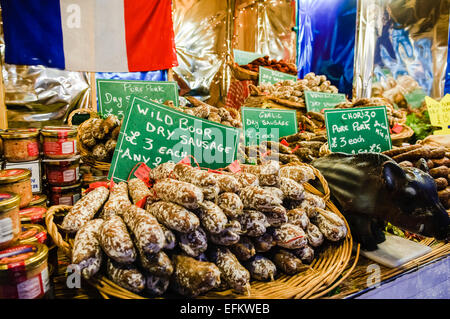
(358, 130)
(317, 101)
(153, 133)
(271, 76)
(245, 57)
(267, 124)
(114, 95)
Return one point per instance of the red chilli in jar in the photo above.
(24, 272)
(65, 195)
(62, 172)
(59, 141)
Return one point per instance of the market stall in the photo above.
(236, 156)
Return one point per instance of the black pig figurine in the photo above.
(371, 189)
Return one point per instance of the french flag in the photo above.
(90, 35)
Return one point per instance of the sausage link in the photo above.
(185, 194)
(116, 241)
(126, 276)
(193, 243)
(174, 216)
(231, 204)
(212, 218)
(118, 201)
(261, 268)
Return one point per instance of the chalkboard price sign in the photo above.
(317, 101)
(267, 124)
(114, 95)
(271, 76)
(245, 57)
(358, 130)
(153, 134)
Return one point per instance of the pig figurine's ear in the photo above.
(393, 175)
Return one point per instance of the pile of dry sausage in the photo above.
(176, 236)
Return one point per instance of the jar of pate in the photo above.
(34, 215)
(17, 181)
(65, 195)
(9, 219)
(59, 141)
(39, 200)
(62, 172)
(24, 272)
(20, 145)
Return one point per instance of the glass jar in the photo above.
(62, 172)
(20, 145)
(59, 141)
(65, 195)
(33, 233)
(24, 272)
(17, 181)
(9, 219)
(39, 200)
(34, 215)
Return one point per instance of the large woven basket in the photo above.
(325, 273)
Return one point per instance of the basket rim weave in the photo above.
(324, 273)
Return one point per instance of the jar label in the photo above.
(59, 148)
(6, 229)
(69, 175)
(33, 149)
(34, 287)
(66, 200)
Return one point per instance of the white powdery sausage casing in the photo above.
(227, 183)
(274, 191)
(331, 225)
(255, 197)
(261, 268)
(126, 276)
(87, 253)
(300, 174)
(193, 175)
(174, 216)
(306, 254)
(158, 264)
(246, 179)
(118, 201)
(162, 171)
(170, 238)
(138, 190)
(290, 236)
(116, 241)
(229, 236)
(231, 204)
(315, 236)
(269, 173)
(193, 277)
(291, 189)
(85, 209)
(185, 194)
(236, 276)
(276, 216)
(310, 203)
(211, 192)
(194, 243)
(212, 218)
(146, 229)
(156, 286)
(298, 216)
(253, 222)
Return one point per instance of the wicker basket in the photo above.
(242, 74)
(325, 273)
(403, 136)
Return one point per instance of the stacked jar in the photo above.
(61, 164)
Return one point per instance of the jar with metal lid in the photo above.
(59, 141)
(39, 200)
(17, 181)
(24, 272)
(20, 145)
(65, 195)
(34, 215)
(32, 233)
(9, 219)
(62, 172)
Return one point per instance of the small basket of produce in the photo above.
(261, 232)
(97, 140)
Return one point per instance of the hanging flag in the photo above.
(96, 35)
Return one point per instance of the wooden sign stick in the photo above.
(93, 92)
